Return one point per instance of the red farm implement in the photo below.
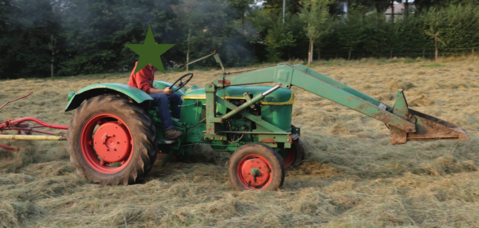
(24, 130)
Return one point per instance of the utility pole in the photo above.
(188, 51)
(284, 9)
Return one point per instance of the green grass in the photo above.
(411, 61)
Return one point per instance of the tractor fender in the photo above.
(113, 88)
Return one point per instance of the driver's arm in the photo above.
(166, 91)
(153, 89)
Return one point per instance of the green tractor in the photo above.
(115, 134)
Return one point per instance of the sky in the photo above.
(259, 3)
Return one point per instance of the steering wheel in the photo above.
(182, 84)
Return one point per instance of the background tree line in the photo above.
(88, 36)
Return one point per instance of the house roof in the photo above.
(399, 8)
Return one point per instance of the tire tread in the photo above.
(143, 130)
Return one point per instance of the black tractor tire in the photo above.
(143, 144)
(296, 154)
(238, 174)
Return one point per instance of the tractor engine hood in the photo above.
(281, 96)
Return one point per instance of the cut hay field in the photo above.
(353, 176)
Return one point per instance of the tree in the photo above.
(242, 7)
(26, 27)
(214, 26)
(97, 31)
(315, 15)
(425, 5)
(454, 26)
(351, 31)
(53, 48)
(292, 6)
(277, 40)
(381, 6)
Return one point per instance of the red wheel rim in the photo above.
(255, 172)
(289, 159)
(106, 143)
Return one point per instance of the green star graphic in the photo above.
(149, 52)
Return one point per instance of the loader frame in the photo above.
(405, 124)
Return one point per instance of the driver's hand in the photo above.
(167, 90)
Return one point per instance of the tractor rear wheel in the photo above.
(111, 141)
(295, 155)
(256, 166)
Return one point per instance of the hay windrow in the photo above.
(13, 213)
(395, 84)
(352, 176)
(420, 101)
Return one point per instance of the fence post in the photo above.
(473, 55)
(423, 53)
(391, 55)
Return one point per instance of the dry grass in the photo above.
(353, 176)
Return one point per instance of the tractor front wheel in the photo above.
(111, 141)
(256, 166)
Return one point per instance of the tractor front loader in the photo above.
(115, 134)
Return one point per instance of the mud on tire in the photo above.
(116, 118)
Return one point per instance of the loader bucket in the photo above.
(432, 128)
(427, 127)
